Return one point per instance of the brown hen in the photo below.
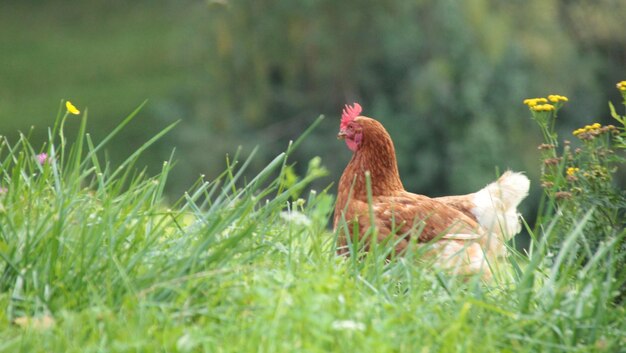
(463, 231)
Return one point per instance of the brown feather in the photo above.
(462, 203)
(396, 212)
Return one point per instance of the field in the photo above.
(93, 259)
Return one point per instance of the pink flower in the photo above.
(42, 158)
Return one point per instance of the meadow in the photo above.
(93, 258)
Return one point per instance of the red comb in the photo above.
(349, 113)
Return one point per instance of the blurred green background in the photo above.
(447, 78)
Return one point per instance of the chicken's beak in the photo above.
(341, 135)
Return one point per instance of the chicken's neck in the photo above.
(378, 157)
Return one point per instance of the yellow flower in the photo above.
(592, 127)
(530, 102)
(578, 132)
(543, 108)
(539, 104)
(621, 86)
(554, 98)
(571, 171)
(71, 108)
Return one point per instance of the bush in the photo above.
(580, 180)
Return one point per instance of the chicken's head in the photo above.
(350, 130)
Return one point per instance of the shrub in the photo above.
(581, 178)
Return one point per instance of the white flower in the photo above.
(296, 218)
(348, 325)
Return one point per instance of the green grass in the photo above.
(236, 266)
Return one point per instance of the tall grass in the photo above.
(94, 259)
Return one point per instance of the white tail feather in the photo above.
(496, 204)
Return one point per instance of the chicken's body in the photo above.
(465, 229)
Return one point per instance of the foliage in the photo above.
(581, 181)
(93, 259)
(443, 76)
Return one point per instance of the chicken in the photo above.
(464, 233)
